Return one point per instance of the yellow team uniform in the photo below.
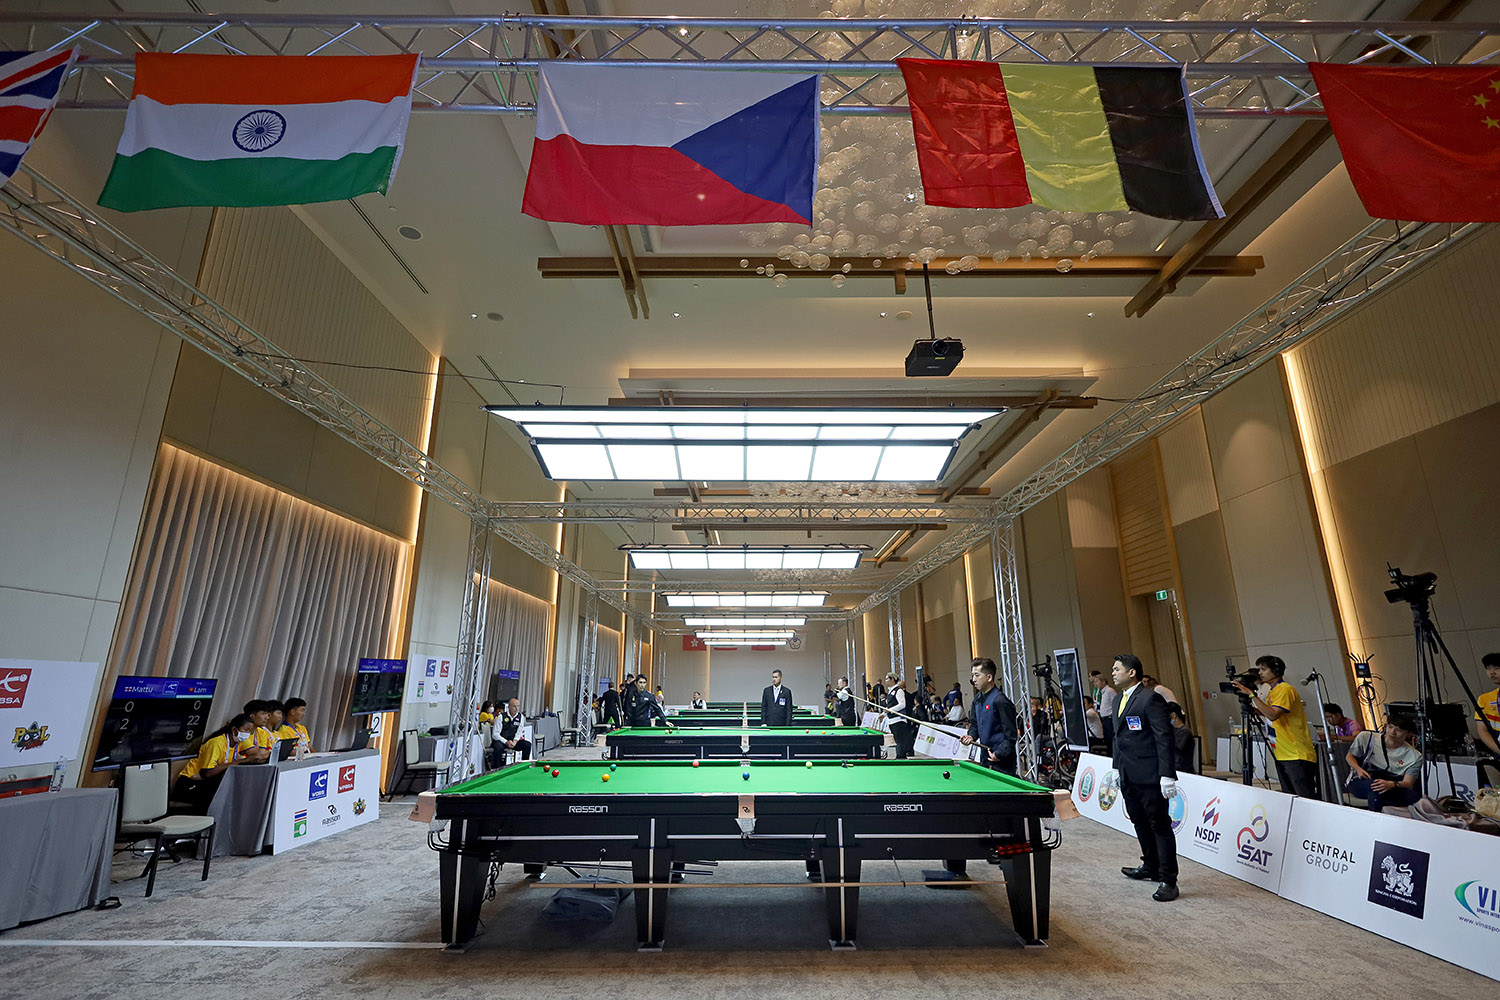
(214, 752)
(1293, 738)
(1489, 707)
(485, 717)
(264, 738)
(296, 732)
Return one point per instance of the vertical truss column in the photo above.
(828, 658)
(468, 663)
(898, 643)
(586, 667)
(856, 679)
(1013, 660)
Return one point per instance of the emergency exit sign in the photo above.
(1162, 595)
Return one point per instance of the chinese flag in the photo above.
(1422, 143)
(693, 644)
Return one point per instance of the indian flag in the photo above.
(259, 130)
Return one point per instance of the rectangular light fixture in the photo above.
(769, 633)
(740, 444)
(700, 557)
(747, 642)
(775, 621)
(742, 599)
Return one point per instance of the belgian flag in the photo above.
(1070, 137)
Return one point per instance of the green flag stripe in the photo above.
(1064, 138)
(156, 179)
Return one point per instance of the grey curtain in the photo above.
(271, 595)
(515, 638)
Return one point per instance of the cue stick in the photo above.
(755, 885)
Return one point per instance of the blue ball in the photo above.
(746, 775)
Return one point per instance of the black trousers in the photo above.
(1300, 777)
(905, 735)
(1109, 734)
(1153, 827)
(197, 793)
(522, 748)
(1375, 801)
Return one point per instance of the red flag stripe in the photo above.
(36, 69)
(967, 148)
(20, 124)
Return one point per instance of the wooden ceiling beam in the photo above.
(712, 266)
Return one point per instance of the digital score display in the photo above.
(379, 686)
(154, 719)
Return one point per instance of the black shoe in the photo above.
(1165, 893)
(1141, 874)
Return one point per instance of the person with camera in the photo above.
(1296, 760)
(1146, 775)
(1384, 767)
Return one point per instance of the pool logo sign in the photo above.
(1483, 903)
(30, 737)
(1247, 843)
(1177, 809)
(346, 779)
(1398, 879)
(359, 807)
(1086, 784)
(317, 785)
(1108, 794)
(299, 823)
(1206, 833)
(13, 684)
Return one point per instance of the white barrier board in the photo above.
(1434, 888)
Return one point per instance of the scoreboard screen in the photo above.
(379, 686)
(154, 719)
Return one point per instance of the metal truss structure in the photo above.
(1014, 663)
(489, 64)
(726, 515)
(468, 662)
(587, 669)
(898, 640)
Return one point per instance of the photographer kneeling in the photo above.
(1384, 766)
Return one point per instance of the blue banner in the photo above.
(164, 687)
(368, 665)
(508, 675)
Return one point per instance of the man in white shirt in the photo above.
(1166, 693)
(1105, 699)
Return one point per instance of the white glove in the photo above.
(843, 694)
(1168, 787)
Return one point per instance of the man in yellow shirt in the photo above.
(260, 714)
(292, 727)
(1296, 760)
(1489, 704)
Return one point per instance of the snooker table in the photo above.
(756, 742)
(704, 717)
(653, 815)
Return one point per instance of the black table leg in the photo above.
(840, 864)
(463, 878)
(652, 864)
(1028, 883)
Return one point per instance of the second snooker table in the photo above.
(653, 815)
(755, 743)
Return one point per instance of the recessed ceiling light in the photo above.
(1091, 315)
(473, 315)
(882, 315)
(677, 315)
(496, 317)
(410, 232)
(904, 314)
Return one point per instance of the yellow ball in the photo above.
(603, 777)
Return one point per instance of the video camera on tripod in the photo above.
(1249, 678)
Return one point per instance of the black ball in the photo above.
(947, 775)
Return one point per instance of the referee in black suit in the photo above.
(1146, 774)
(776, 703)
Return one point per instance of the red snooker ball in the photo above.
(695, 763)
(555, 772)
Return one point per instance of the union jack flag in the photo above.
(29, 85)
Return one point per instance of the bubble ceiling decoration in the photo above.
(869, 197)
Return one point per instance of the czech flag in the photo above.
(630, 145)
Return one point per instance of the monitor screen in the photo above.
(378, 686)
(154, 719)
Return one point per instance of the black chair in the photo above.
(410, 766)
(143, 816)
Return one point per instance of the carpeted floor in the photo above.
(378, 884)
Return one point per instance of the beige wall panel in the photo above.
(1250, 437)
(1046, 527)
(1145, 547)
(1101, 604)
(1384, 514)
(347, 480)
(1054, 623)
(686, 673)
(195, 390)
(1208, 594)
(1187, 468)
(1091, 511)
(1424, 353)
(440, 578)
(1459, 464)
(1277, 568)
(39, 626)
(875, 656)
(944, 656)
(742, 674)
(275, 274)
(511, 471)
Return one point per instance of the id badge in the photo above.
(1133, 722)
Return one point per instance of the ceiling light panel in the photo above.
(786, 621)
(741, 599)
(760, 634)
(743, 444)
(741, 557)
(747, 642)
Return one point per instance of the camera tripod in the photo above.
(1417, 592)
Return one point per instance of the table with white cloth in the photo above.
(247, 806)
(57, 852)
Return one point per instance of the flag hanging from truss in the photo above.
(29, 85)
(1070, 137)
(260, 130)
